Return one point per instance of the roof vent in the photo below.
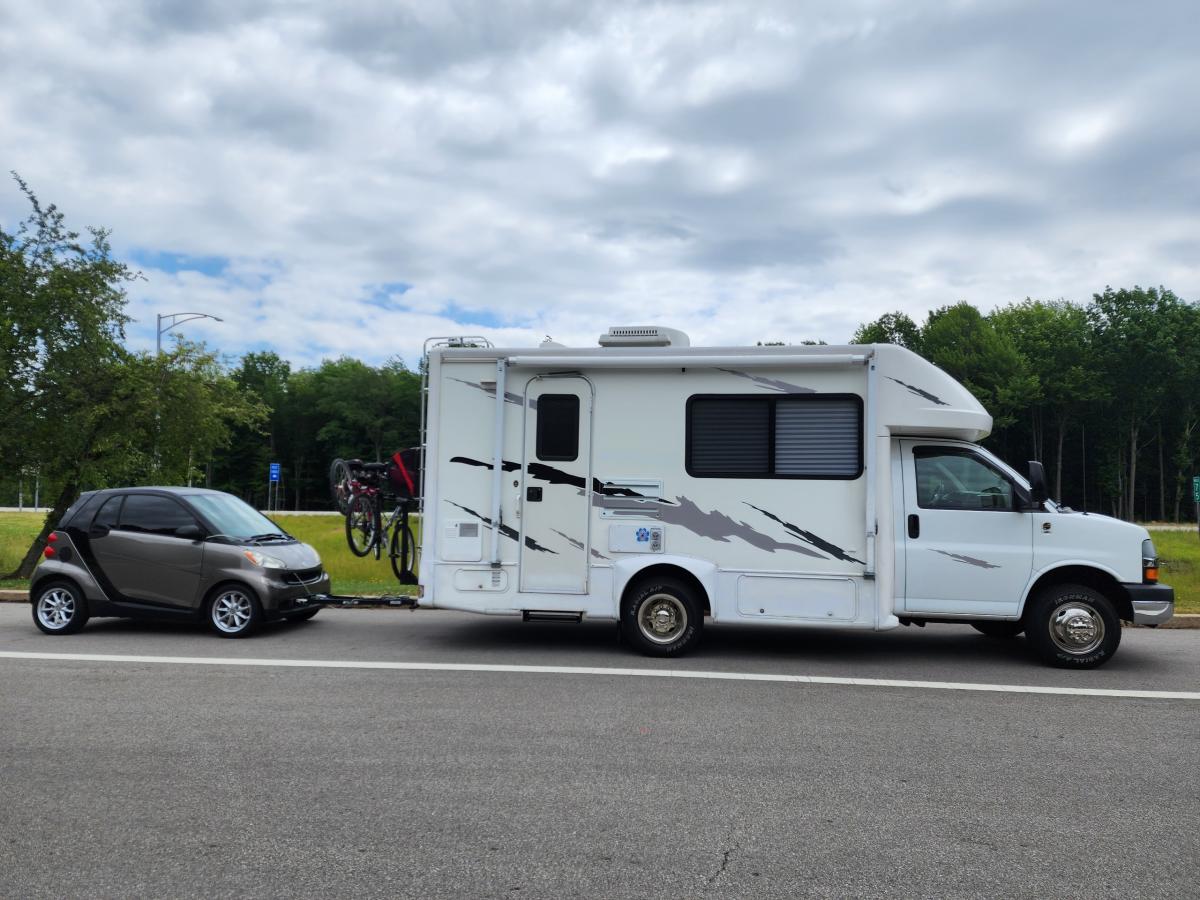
(644, 336)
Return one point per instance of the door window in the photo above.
(153, 515)
(558, 427)
(958, 479)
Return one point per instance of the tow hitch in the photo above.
(400, 600)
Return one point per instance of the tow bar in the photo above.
(399, 600)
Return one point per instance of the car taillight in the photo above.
(52, 537)
(48, 552)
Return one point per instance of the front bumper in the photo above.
(1152, 604)
(280, 598)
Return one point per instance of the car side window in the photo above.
(957, 479)
(149, 514)
(109, 513)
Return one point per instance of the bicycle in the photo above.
(357, 486)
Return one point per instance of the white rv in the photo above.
(662, 485)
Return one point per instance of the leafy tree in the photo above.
(1056, 342)
(1143, 337)
(890, 328)
(76, 402)
(962, 342)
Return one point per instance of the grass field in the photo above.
(1179, 552)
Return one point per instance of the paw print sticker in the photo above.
(643, 535)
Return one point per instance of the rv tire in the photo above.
(661, 617)
(1072, 626)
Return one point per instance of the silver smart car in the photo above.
(173, 553)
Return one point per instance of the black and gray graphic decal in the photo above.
(717, 526)
(969, 560)
(505, 530)
(772, 384)
(807, 536)
(681, 511)
(509, 396)
(578, 545)
(551, 475)
(920, 393)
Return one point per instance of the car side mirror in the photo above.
(189, 532)
(1037, 483)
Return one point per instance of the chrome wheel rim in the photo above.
(662, 618)
(231, 611)
(1076, 628)
(56, 608)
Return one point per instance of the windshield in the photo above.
(233, 518)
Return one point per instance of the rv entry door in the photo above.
(556, 493)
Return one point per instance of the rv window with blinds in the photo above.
(798, 436)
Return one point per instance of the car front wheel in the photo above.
(234, 611)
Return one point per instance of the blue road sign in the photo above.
(274, 471)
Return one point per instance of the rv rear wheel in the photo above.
(1072, 626)
(661, 617)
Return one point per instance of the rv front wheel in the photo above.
(661, 617)
(1072, 626)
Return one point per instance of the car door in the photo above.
(968, 545)
(142, 558)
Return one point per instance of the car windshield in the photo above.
(233, 518)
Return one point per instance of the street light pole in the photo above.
(175, 319)
(172, 319)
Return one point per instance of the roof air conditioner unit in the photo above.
(644, 336)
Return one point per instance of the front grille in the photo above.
(303, 576)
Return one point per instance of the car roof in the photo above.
(165, 489)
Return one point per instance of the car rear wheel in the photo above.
(59, 607)
(234, 611)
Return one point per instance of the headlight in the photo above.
(261, 559)
(1149, 562)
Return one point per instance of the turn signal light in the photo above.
(1150, 575)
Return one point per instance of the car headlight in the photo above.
(261, 559)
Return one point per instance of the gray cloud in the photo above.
(747, 172)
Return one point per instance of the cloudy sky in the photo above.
(350, 178)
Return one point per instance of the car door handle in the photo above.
(914, 526)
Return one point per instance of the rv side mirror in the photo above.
(1037, 483)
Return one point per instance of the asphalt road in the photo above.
(146, 779)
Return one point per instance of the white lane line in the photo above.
(587, 670)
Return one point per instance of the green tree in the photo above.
(1144, 337)
(1055, 340)
(62, 302)
(890, 328)
(962, 342)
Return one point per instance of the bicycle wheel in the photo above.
(405, 554)
(339, 484)
(362, 524)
